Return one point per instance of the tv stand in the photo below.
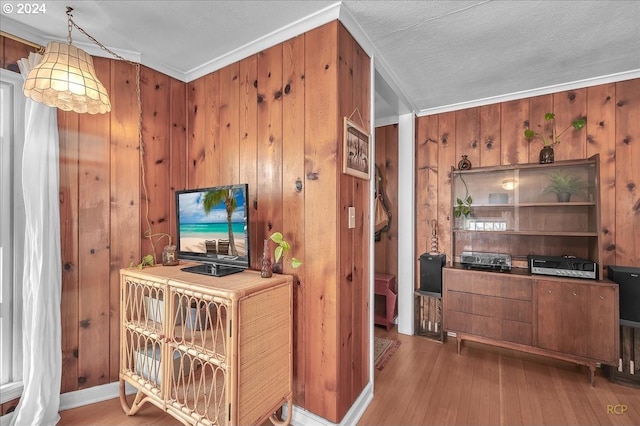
(212, 269)
(216, 352)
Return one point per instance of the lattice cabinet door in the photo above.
(201, 349)
(143, 313)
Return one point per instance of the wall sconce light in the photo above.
(509, 184)
(65, 78)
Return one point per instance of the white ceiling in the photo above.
(430, 56)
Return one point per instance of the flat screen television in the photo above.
(628, 280)
(213, 229)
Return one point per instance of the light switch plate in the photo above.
(352, 217)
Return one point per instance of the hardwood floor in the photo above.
(427, 383)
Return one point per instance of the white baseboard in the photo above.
(95, 394)
(83, 397)
(302, 417)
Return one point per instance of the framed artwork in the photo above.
(356, 150)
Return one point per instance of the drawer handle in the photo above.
(574, 293)
(601, 297)
(548, 291)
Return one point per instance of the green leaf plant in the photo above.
(282, 247)
(147, 260)
(554, 138)
(561, 182)
(463, 206)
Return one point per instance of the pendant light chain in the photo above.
(148, 233)
(69, 25)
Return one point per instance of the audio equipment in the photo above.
(628, 280)
(493, 261)
(431, 273)
(562, 266)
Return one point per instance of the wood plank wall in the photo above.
(493, 135)
(386, 250)
(354, 100)
(274, 121)
(103, 205)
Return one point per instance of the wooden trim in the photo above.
(21, 40)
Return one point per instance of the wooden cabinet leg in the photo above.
(592, 374)
(459, 342)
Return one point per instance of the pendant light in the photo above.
(65, 79)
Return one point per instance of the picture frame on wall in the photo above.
(356, 150)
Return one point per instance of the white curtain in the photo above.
(42, 280)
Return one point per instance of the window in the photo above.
(11, 234)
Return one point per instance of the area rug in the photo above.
(383, 350)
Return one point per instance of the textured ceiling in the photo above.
(434, 55)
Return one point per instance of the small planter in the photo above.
(265, 267)
(546, 155)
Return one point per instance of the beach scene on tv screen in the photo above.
(205, 219)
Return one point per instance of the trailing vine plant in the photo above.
(463, 205)
(282, 247)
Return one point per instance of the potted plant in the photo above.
(564, 185)
(548, 142)
(282, 247)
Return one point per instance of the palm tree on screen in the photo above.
(213, 198)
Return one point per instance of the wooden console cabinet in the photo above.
(210, 351)
(513, 211)
(570, 319)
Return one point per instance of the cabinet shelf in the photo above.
(521, 205)
(558, 204)
(529, 233)
(521, 217)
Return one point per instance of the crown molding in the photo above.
(578, 84)
(324, 16)
(38, 37)
(404, 105)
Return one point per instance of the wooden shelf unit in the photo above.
(428, 316)
(524, 220)
(208, 350)
(570, 319)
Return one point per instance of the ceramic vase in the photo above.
(546, 155)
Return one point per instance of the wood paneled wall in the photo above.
(108, 202)
(274, 121)
(386, 250)
(113, 192)
(493, 135)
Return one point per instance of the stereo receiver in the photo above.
(562, 266)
